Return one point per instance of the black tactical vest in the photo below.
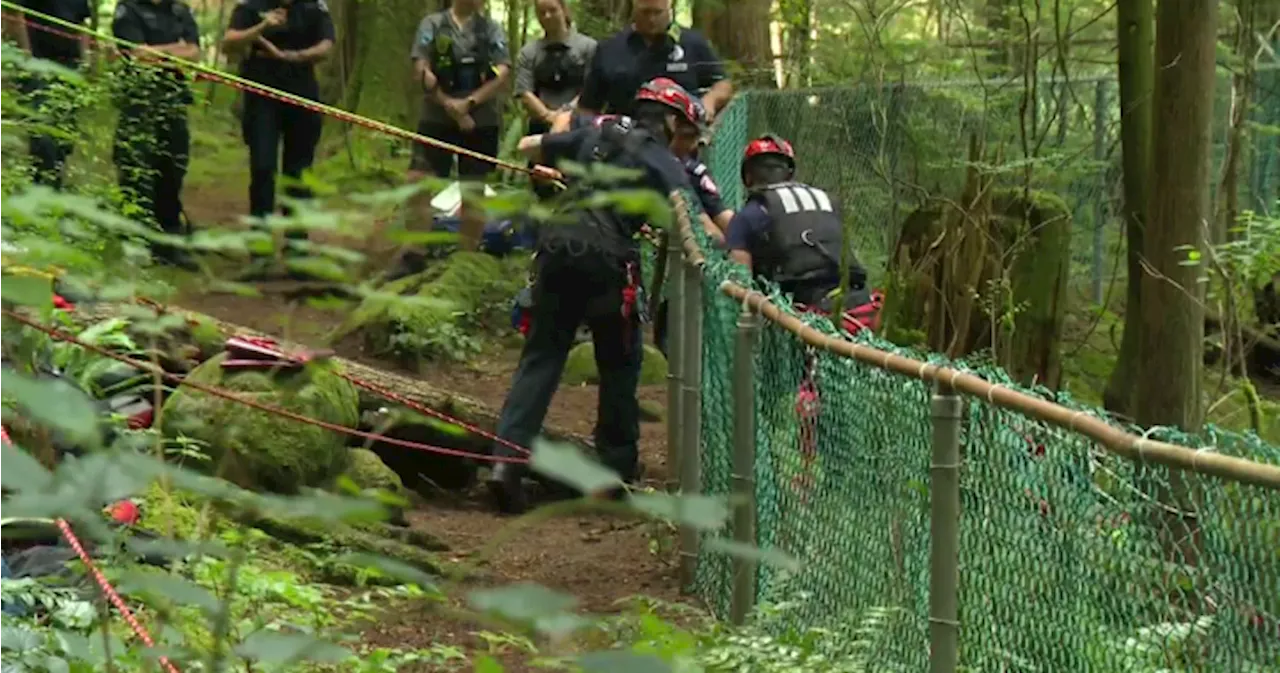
(803, 244)
(459, 71)
(556, 70)
(603, 230)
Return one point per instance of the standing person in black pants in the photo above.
(550, 71)
(49, 153)
(153, 142)
(460, 57)
(281, 40)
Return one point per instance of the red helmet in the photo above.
(768, 145)
(664, 90)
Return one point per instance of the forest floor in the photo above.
(601, 560)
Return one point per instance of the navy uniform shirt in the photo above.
(625, 61)
(662, 172)
(51, 46)
(747, 228)
(307, 25)
(144, 22)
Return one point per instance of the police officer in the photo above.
(281, 41)
(49, 153)
(152, 139)
(460, 57)
(792, 233)
(550, 71)
(653, 46)
(588, 270)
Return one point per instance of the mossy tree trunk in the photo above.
(1172, 327)
(739, 30)
(1136, 30)
(601, 18)
(986, 272)
(370, 73)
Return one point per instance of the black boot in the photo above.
(506, 488)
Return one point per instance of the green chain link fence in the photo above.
(1071, 557)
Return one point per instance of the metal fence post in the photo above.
(743, 484)
(691, 414)
(675, 355)
(944, 532)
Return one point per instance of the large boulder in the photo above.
(260, 450)
(580, 368)
(367, 470)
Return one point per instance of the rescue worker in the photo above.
(48, 152)
(152, 141)
(793, 234)
(550, 70)
(280, 41)
(460, 57)
(589, 270)
(653, 46)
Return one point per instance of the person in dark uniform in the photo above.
(281, 41)
(460, 56)
(49, 153)
(589, 270)
(550, 71)
(653, 46)
(792, 234)
(152, 140)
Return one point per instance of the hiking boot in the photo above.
(506, 489)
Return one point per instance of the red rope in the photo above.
(271, 409)
(107, 590)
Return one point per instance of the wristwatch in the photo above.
(471, 104)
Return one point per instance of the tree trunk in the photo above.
(1172, 327)
(1136, 37)
(740, 35)
(373, 75)
(797, 16)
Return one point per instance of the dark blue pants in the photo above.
(48, 152)
(569, 291)
(281, 137)
(151, 155)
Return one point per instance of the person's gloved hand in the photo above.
(546, 173)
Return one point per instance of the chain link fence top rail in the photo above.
(1073, 557)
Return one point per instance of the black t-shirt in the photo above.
(148, 86)
(51, 46)
(307, 25)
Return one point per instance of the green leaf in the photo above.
(564, 462)
(273, 647)
(26, 290)
(487, 664)
(771, 557)
(54, 404)
(618, 661)
(699, 511)
(168, 586)
(22, 472)
(523, 602)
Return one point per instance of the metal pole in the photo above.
(944, 533)
(744, 464)
(1099, 211)
(691, 415)
(675, 357)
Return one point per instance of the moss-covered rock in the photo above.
(581, 366)
(417, 316)
(261, 450)
(368, 471)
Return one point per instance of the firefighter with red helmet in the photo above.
(792, 233)
(587, 270)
